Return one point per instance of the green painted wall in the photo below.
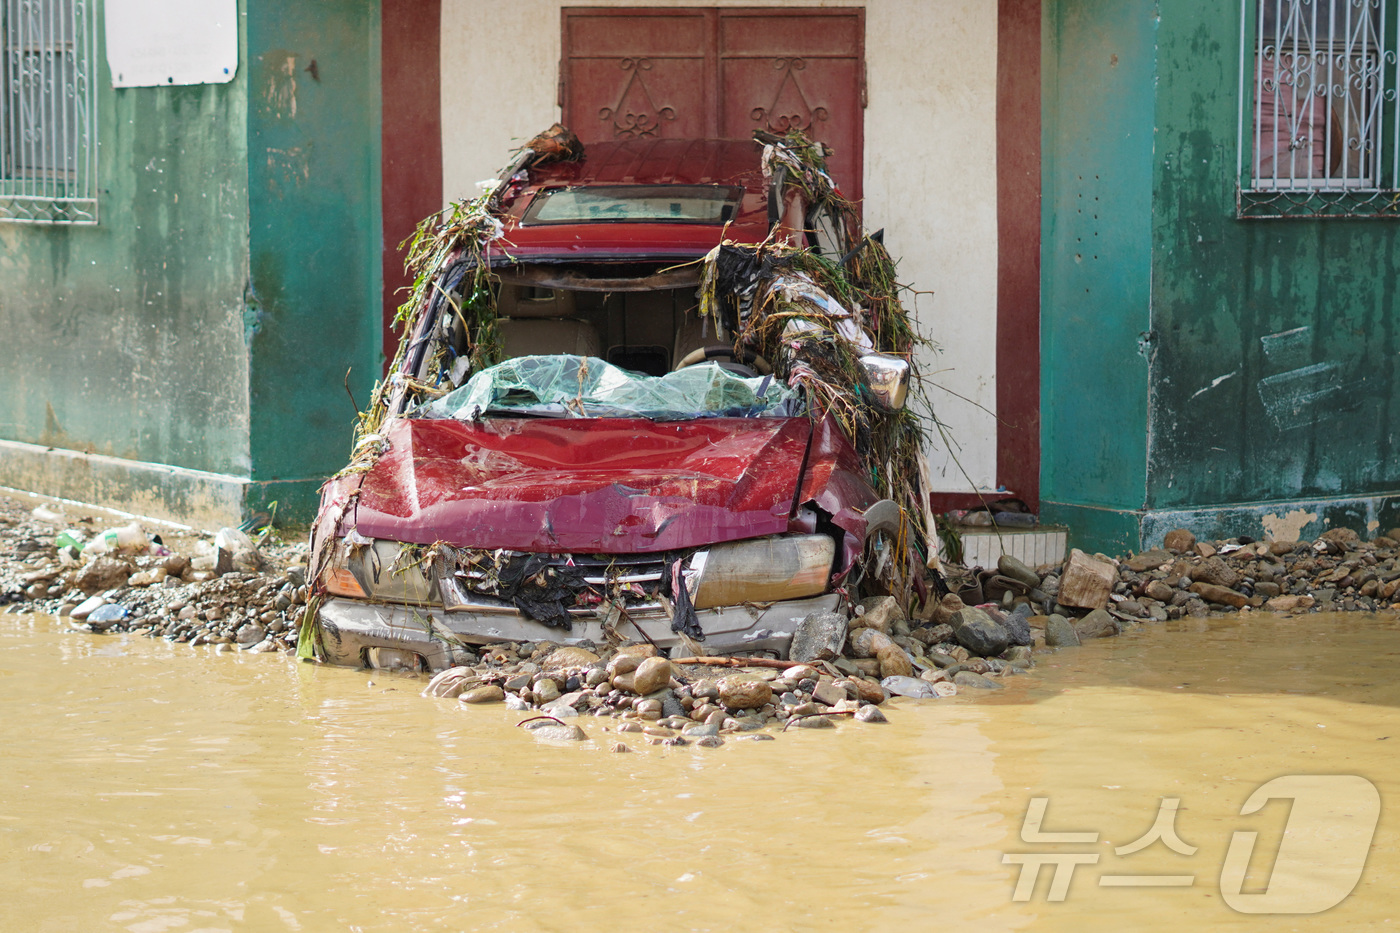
(126, 338)
(1202, 367)
(1237, 413)
(208, 321)
(314, 248)
(1096, 259)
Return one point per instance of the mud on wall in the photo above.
(1274, 340)
(127, 338)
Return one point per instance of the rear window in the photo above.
(679, 204)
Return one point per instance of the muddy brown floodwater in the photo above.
(152, 787)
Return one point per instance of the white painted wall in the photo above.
(930, 168)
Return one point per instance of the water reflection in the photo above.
(150, 786)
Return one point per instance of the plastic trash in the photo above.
(45, 514)
(232, 540)
(128, 538)
(69, 539)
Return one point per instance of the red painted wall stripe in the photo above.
(410, 137)
(1018, 248)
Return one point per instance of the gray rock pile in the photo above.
(839, 669)
(221, 591)
(1094, 596)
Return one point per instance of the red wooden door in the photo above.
(718, 72)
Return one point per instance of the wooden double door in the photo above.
(718, 72)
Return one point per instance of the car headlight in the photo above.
(763, 570)
(381, 570)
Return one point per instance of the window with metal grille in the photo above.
(1318, 130)
(48, 129)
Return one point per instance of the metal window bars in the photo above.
(48, 124)
(1318, 134)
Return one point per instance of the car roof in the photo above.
(732, 162)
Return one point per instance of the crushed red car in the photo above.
(582, 439)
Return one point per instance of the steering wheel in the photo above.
(720, 351)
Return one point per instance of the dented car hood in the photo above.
(595, 485)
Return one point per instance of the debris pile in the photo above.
(1093, 596)
(222, 590)
(838, 668)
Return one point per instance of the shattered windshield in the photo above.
(588, 387)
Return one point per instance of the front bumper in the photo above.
(355, 632)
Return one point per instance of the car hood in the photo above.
(605, 485)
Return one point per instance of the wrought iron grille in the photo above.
(1318, 134)
(48, 129)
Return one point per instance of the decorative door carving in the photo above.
(718, 72)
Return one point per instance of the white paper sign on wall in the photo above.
(153, 42)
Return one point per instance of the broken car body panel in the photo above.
(583, 485)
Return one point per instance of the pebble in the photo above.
(488, 693)
(977, 681)
(870, 714)
(814, 722)
(911, 687)
(547, 731)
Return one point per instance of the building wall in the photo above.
(1098, 71)
(1225, 288)
(128, 338)
(1178, 341)
(187, 356)
(315, 238)
(930, 173)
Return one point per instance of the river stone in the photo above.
(813, 722)
(969, 679)
(1009, 566)
(1060, 633)
(1179, 540)
(819, 637)
(618, 747)
(945, 688)
(1220, 595)
(710, 741)
(1289, 603)
(651, 675)
(894, 662)
(1086, 581)
(546, 690)
(623, 664)
(867, 691)
(868, 642)
(946, 608)
(486, 693)
(569, 657)
(870, 714)
(700, 730)
(1156, 589)
(1018, 626)
(516, 703)
(106, 615)
(104, 573)
(547, 731)
(879, 613)
(1344, 539)
(978, 633)
(911, 687)
(744, 692)
(1216, 572)
(1097, 624)
(1149, 560)
(250, 634)
(86, 607)
(828, 694)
